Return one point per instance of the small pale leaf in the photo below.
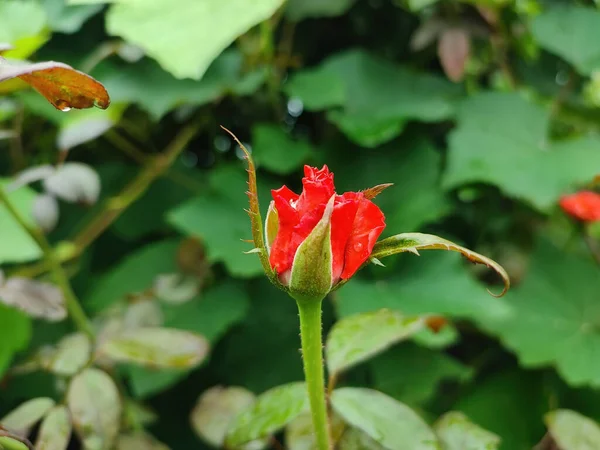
(457, 432)
(95, 406)
(36, 298)
(21, 419)
(389, 422)
(75, 183)
(63, 86)
(215, 410)
(361, 336)
(71, 355)
(139, 441)
(156, 347)
(354, 439)
(55, 431)
(454, 48)
(272, 411)
(412, 242)
(176, 288)
(572, 430)
(300, 433)
(45, 212)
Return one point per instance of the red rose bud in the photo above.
(584, 205)
(318, 238)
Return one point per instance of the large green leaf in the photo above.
(510, 404)
(218, 218)
(567, 30)
(502, 139)
(457, 432)
(433, 283)
(95, 406)
(23, 24)
(413, 165)
(356, 338)
(298, 10)
(413, 374)
(387, 421)
(165, 29)
(17, 245)
(572, 430)
(211, 314)
(556, 310)
(272, 411)
(375, 97)
(157, 91)
(15, 333)
(275, 149)
(134, 274)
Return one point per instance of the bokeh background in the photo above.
(483, 113)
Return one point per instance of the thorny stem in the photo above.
(312, 355)
(115, 206)
(60, 277)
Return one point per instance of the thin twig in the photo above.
(60, 277)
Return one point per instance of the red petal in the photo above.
(282, 251)
(342, 222)
(584, 205)
(318, 189)
(368, 225)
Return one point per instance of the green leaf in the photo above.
(359, 337)
(272, 411)
(376, 96)
(297, 10)
(354, 439)
(300, 432)
(156, 347)
(413, 165)
(212, 24)
(17, 246)
(457, 432)
(250, 347)
(83, 126)
(211, 314)
(567, 30)
(68, 18)
(218, 218)
(55, 431)
(158, 92)
(22, 24)
(429, 284)
(413, 242)
(10, 443)
(387, 421)
(413, 374)
(71, 355)
(275, 150)
(509, 404)
(25, 416)
(572, 430)
(501, 139)
(555, 311)
(15, 334)
(95, 407)
(138, 441)
(216, 409)
(134, 274)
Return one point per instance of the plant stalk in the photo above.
(74, 308)
(312, 355)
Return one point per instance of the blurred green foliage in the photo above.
(481, 112)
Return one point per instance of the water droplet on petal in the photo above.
(358, 247)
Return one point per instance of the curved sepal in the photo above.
(254, 213)
(413, 242)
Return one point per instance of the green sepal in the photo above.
(311, 270)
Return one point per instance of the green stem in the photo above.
(312, 354)
(60, 277)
